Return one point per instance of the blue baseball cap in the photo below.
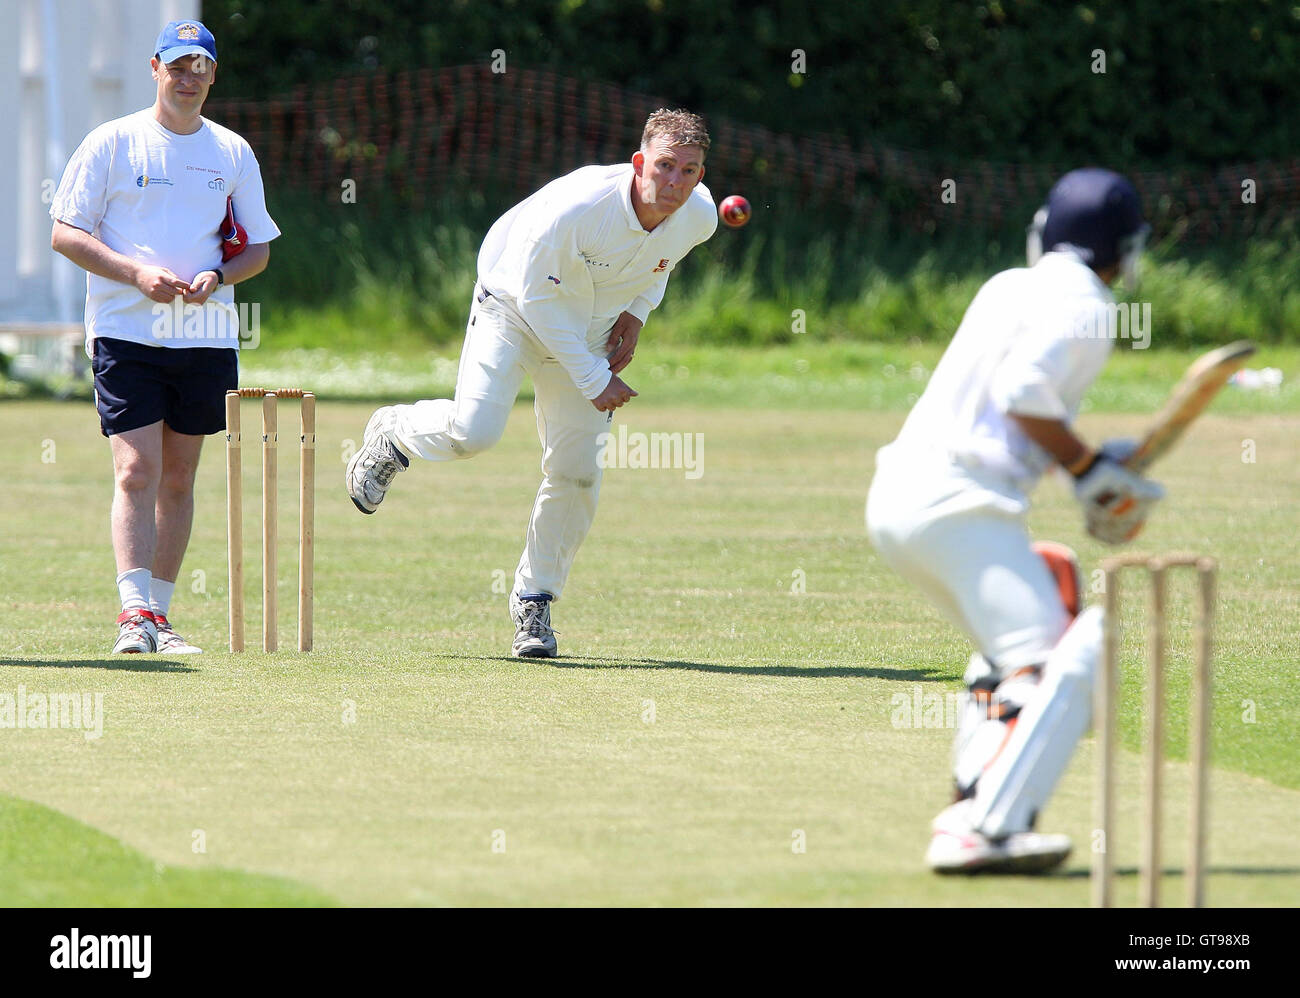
(180, 38)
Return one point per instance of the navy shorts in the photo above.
(137, 385)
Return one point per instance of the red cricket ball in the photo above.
(734, 211)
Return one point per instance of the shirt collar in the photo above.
(625, 184)
(1068, 259)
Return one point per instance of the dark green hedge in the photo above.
(1187, 82)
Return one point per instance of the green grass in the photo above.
(379, 768)
(807, 375)
(64, 864)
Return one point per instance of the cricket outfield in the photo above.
(753, 709)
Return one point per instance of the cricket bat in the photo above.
(1190, 398)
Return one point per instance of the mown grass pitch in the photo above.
(733, 723)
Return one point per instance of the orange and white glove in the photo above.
(1116, 502)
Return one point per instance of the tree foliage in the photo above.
(1185, 82)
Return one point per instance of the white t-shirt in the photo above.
(160, 198)
(1031, 343)
(573, 256)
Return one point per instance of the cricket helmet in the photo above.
(1094, 213)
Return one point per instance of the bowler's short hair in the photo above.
(681, 128)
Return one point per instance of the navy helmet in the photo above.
(1095, 214)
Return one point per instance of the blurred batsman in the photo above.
(566, 280)
(948, 504)
(147, 208)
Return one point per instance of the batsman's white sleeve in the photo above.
(556, 300)
(1045, 375)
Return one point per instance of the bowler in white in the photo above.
(947, 510)
(566, 280)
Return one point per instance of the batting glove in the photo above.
(1119, 449)
(1116, 502)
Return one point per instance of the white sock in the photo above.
(133, 587)
(160, 596)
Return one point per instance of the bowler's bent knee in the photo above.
(476, 437)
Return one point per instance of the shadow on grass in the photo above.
(1178, 871)
(792, 671)
(123, 663)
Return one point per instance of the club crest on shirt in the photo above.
(144, 180)
(554, 280)
(663, 265)
(188, 32)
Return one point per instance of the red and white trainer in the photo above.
(169, 642)
(136, 633)
(956, 847)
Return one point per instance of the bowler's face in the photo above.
(669, 173)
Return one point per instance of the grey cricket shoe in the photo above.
(375, 464)
(534, 637)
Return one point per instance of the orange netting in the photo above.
(417, 135)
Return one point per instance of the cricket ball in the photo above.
(734, 211)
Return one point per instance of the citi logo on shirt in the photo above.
(144, 180)
(554, 280)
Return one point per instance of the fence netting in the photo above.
(417, 136)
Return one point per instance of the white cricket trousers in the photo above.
(960, 536)
(499, 349)
(965, 545)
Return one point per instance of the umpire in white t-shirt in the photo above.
(148, 207)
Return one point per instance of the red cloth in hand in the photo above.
(234, 240)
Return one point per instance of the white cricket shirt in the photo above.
(572, 257)
(160, 198)
(1031, 342)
